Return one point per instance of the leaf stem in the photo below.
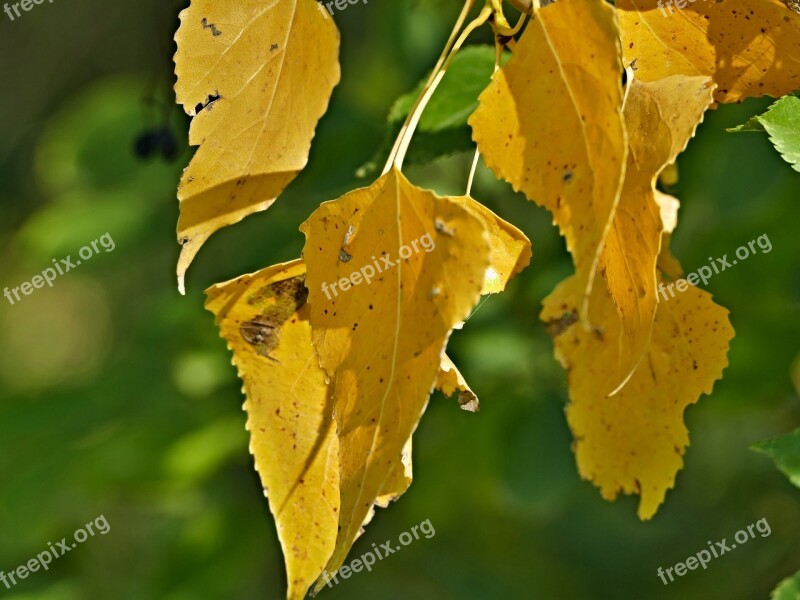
(510, 31)
(498, 53)
(472, 171)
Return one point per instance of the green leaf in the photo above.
(752, 124)
(789, 589)
(443, 128)
(785, 451)
(782, 124)
(457, 95)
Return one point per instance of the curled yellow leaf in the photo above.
(660, 118)
(449, 380)
(550, 123)
(509, 248)
(399, 479)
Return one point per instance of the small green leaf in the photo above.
(457, 95)
(782, 124)
(789, 589)
(752, 124)
(785, 451)
(443, 128)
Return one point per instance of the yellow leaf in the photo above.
(510, 252)
(634, 441)
(261, 74)
(750, 48)
(391, 270)
(449, 380)
(550, 122)
(510, 249)
(396, 485)
(660, 118)
(264, 319)
(399, 479)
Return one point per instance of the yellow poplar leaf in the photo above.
(418, 262)
(269, 385)
(264, 319)
(750, 48)
(449, 380)
(634, 441)
(399, 479)
(550, 122)
(396, 485)
(660, 118)
(510, 251)
(256, 76)
(510, 248)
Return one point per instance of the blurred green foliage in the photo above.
(789, 589)
(117, 396)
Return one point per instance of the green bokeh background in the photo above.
(117, 396)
